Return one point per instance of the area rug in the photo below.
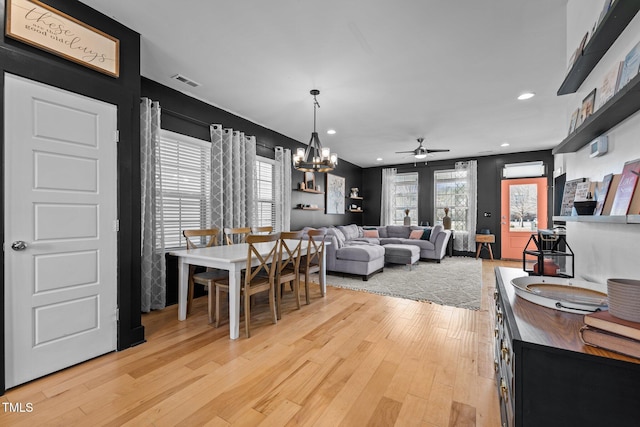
(455, 281)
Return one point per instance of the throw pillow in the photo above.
(370, 233)
(426, 234)
(416, 234)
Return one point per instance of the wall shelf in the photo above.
(356, 210)
(602, 219)
(309, 191)
(357, 198)
(310, 209)
(613, 24)
(623, 104)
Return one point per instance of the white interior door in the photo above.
(60, 252)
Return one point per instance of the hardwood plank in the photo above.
(350, 357)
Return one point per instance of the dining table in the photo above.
(232, 258)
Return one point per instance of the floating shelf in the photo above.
(623, 104)
(310, 209)
(356, 210)
(613, 24)
(356, 198)
(602, 219)
(309, 191)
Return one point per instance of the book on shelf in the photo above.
(630, 67)
(582, 191)
(609, 84)
(608, 322)
(588, 104)
(601, 192)
(609, 341)
(626, 188)
(568, 196)
(573, 124)
(613, 187)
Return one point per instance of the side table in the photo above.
(485, 241)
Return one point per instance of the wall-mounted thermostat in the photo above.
(599, 146)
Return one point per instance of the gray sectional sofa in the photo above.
(356, 250)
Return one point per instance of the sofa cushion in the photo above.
(437, 229)
(371, 233)
(382, 231)
(416, 234)
(340, 240)
(350, 231)
(398, 231)
(392, 240)
(362, 252)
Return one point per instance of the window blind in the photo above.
(184, 165)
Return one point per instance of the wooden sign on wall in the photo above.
(44, 27)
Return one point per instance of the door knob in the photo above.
(19, 245)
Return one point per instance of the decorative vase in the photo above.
(446, 220)
(407, 218)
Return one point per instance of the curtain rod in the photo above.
(200, 122)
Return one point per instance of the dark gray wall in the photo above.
(189, 116)
(489, 178)
(124, 92)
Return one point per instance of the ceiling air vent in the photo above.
(185, 80)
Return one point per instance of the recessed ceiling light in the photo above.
(331, 131)
(526, 95)
(379, 159)
(504, 144)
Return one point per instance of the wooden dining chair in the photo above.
(240, 232)
(312, 260)
(288, 266)
(256, 279)
(260, 230)
(198, 239)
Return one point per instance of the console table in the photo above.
(547, 377)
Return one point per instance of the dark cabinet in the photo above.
(547, 377)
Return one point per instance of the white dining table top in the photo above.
(226, 253)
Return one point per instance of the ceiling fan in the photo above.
(421, 152)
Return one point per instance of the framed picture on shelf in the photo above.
(573, 124)
(626, 188)
(587, 106)
(335, 194)
(309, 181)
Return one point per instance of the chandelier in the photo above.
(315, 158)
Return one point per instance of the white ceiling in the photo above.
(388, 72)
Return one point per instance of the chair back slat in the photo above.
(290, 252)
(267, 262)
(315, 247)
(192, 235)
(240, 232)
(267, 229)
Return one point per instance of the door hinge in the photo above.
(116, 225)
(116, 136)
(117, 314)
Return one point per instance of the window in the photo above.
(451, 192)
(265, 193)
(406, 197)
(184, 164)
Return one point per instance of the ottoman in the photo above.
(401, 254)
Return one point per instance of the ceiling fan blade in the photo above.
(435, 150)
(401, 152)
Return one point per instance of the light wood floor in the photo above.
(350, 359)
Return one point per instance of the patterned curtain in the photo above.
(233, 164)
(153, 260)
(466, 240)
(283, 189)
(387, 208)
